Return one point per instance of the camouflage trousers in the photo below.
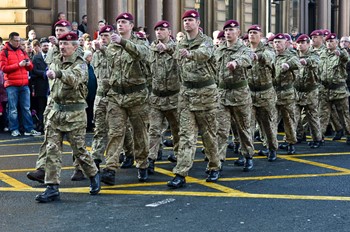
(53, 164)
(287, 113)
(266, 117)
(156, 129)
(118, 118)
(241, 116)
(311, 117)
(190, 124)
(341, 107)
(99, 141)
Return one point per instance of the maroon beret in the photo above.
(163, 24)
(221, 35)
(190, 14)
(106, 29)
(331, 36)
(316, 33)
(303, 37)
(271, 38)
(245, 37)
(280, 36)
(254, 28)
(63, 23)
(326, 32)
(231, 23)
(126, 16)
(70, 36)
(140, 35)
(288, 38)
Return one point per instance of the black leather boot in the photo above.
(177, 182)
(160, 154)
(239, 161)
(95, 184)
(172, 158)
(291, 149)
(338, 135)
(168, 143)
(283, 145)
(37, 175)
(150, 166)
(316, 144)
(248, 165)
(128, 162)
(213, 176)
(236, 148)
(142, 174)
(108, 177)
(51, 194)
(263, 152)
(272, 156)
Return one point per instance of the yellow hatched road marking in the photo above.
(12, 181)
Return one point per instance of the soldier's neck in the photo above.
(192, 34)
(254, 46)
(126, 35)
(231, 43)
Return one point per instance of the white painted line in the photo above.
(163, 202)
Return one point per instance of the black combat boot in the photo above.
(348, 140)
(128, 162)
(263, 152)
(236, 148)
(316, 144)
(108, 177)
(160, 154)
(142, 174)
(150, 166)
(272, 156)
(168, 143)
(248, 164)
(37, 175)
(177, 182)
(283, 145)
(95, 184)
(239, 161)
(338, 135)
(291, 149)
(213, 176)
(51, 194)
(172, 158)
(78, 175)
(231, 145)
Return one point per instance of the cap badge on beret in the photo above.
(165, 25)
(108, 29)
(64, 23)
(125, 16)
(193, 15)
(280, 37)
(68, 37)
(233, 24)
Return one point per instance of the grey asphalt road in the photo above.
(309, 191)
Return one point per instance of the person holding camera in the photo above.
(15, 64)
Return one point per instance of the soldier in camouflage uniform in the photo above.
(232, 61)
(127, 98)
(197, 102)
(165, 88)
(333, 90)
(307, 89)
(61, 27)
(263, 94)
(286, 71)
(67, 117)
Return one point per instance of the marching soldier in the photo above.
(127, 98)
(197, 102)
(307, 89)
(165, 88)
(67, 117)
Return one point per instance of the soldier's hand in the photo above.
(337, 52)
(51, 74)
(97, 45)
(232, 65)
(115, 38)
(184, 53)
(53, 40)
(303, 61)
(285, 66)
(161, 47)
(255, 56)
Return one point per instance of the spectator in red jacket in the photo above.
(15, 64)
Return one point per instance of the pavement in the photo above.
(308, 191)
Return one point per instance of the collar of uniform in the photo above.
(236, 46)
(71, 59)
(196, 41)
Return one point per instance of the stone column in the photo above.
(344, 18)
(324, 14)
(82, 10)
(172, 13)
(95, 12)
(153, 14)
(112, 10)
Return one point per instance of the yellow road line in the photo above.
(18, 144)
(317, 164)
(320, 154)
(12, 181)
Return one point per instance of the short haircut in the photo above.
(13, 34)
(83, 16)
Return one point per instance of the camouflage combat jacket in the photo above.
(53, 53)
(333, 75)
(233, 85)
(260, 77)
(128, 79)
(102, 71)
(307, 82)
(198, 90)
(283, 81)
(68, 94)
(165, 77)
